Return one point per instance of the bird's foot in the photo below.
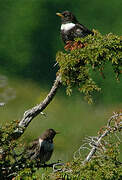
(70, 45)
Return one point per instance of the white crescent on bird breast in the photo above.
(47, 145)
(67, 27)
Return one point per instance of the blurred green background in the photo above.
(29, 40)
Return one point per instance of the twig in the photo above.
(55, 169)
(33, 112)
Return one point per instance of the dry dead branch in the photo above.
(96, 144)
(30, 114)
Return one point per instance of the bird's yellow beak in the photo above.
(59, 14)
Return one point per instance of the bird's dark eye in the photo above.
(65, 15)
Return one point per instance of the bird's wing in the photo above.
(32, 150)
(33, 144)
(45, 155)
(82, 31)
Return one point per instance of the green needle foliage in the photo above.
(78, 65)
(105, 167)
(12, 156)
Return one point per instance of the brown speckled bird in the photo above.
(42, 148)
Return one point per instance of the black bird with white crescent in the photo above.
(42, 148)
(71, 28)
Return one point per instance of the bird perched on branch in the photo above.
(71, 28)
(42, 148)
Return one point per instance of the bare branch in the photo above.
(95, 146)
(33, 112)
(96, 143)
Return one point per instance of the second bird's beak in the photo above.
(57, 132)
(59, 14)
